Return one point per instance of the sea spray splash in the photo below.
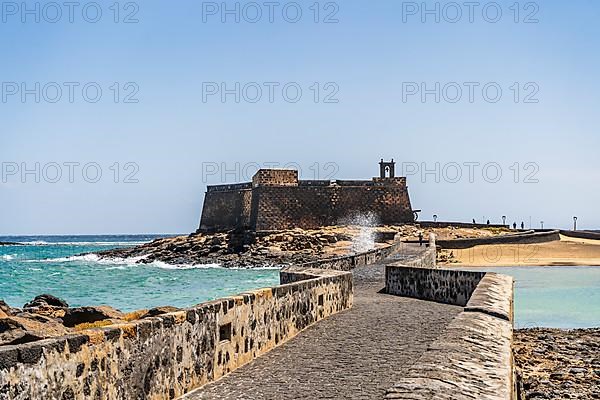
(367, 223)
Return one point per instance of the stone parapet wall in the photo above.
(439, 285)
(348, 263)
(493, 296)
(472, 358)
(581, 234)
(427, 259)
(229, 187)
(166, 356)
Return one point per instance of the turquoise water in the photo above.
(554, 297)
(51, 265)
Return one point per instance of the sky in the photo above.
(115, 116)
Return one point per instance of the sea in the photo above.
(59, 265)
(554, 297)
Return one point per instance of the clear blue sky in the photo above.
(370, 54)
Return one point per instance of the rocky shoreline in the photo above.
(558, 364)
(247, 249)
(47, 316)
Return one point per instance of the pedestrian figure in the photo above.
(420, 239)
(522, 225)
(514, 225)
(488, 221)
(474, 221)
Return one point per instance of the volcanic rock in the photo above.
(4, 308)
(82, 315)
(159, 311)
(21, 329)
(46, 300)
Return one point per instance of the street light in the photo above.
(574, 223)
(504, 220)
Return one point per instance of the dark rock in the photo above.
(47, 311)
(9, 357)
(30, 353)
(5, 308)
(82, 315)
(18, 329)
(160, 311)
(45, 300)
(76, 342)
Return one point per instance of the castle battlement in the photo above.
(277, 199)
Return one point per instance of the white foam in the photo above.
(119, 263)
(44, 243)
(7, 257)
(164, 265)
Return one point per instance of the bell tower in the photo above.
(387, 169)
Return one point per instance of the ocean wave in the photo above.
(7, 257)
(119, 263)
(44, 243)
(90, 258)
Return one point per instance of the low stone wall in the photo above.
(581, 234)
(428, 259)
(166, 356)
(348, 263)
(472, 359)
(439, 285)
(518, 238)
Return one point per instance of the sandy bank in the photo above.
(566, 252)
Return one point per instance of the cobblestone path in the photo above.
(356, 354)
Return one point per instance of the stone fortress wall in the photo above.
(277, 199)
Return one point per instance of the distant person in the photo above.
(515, 226)
(420, 239)
(474, 221)
(488, 221)
(522, 225)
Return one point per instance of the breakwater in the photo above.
(166, 356)
(528, 237)
(472, 358)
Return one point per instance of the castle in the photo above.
(276, 199)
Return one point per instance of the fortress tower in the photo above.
(276, 199)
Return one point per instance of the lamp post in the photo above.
(542, 222)
(574, 223)
(435, 217)
(504, 220)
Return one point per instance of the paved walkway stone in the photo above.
(356, 354)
